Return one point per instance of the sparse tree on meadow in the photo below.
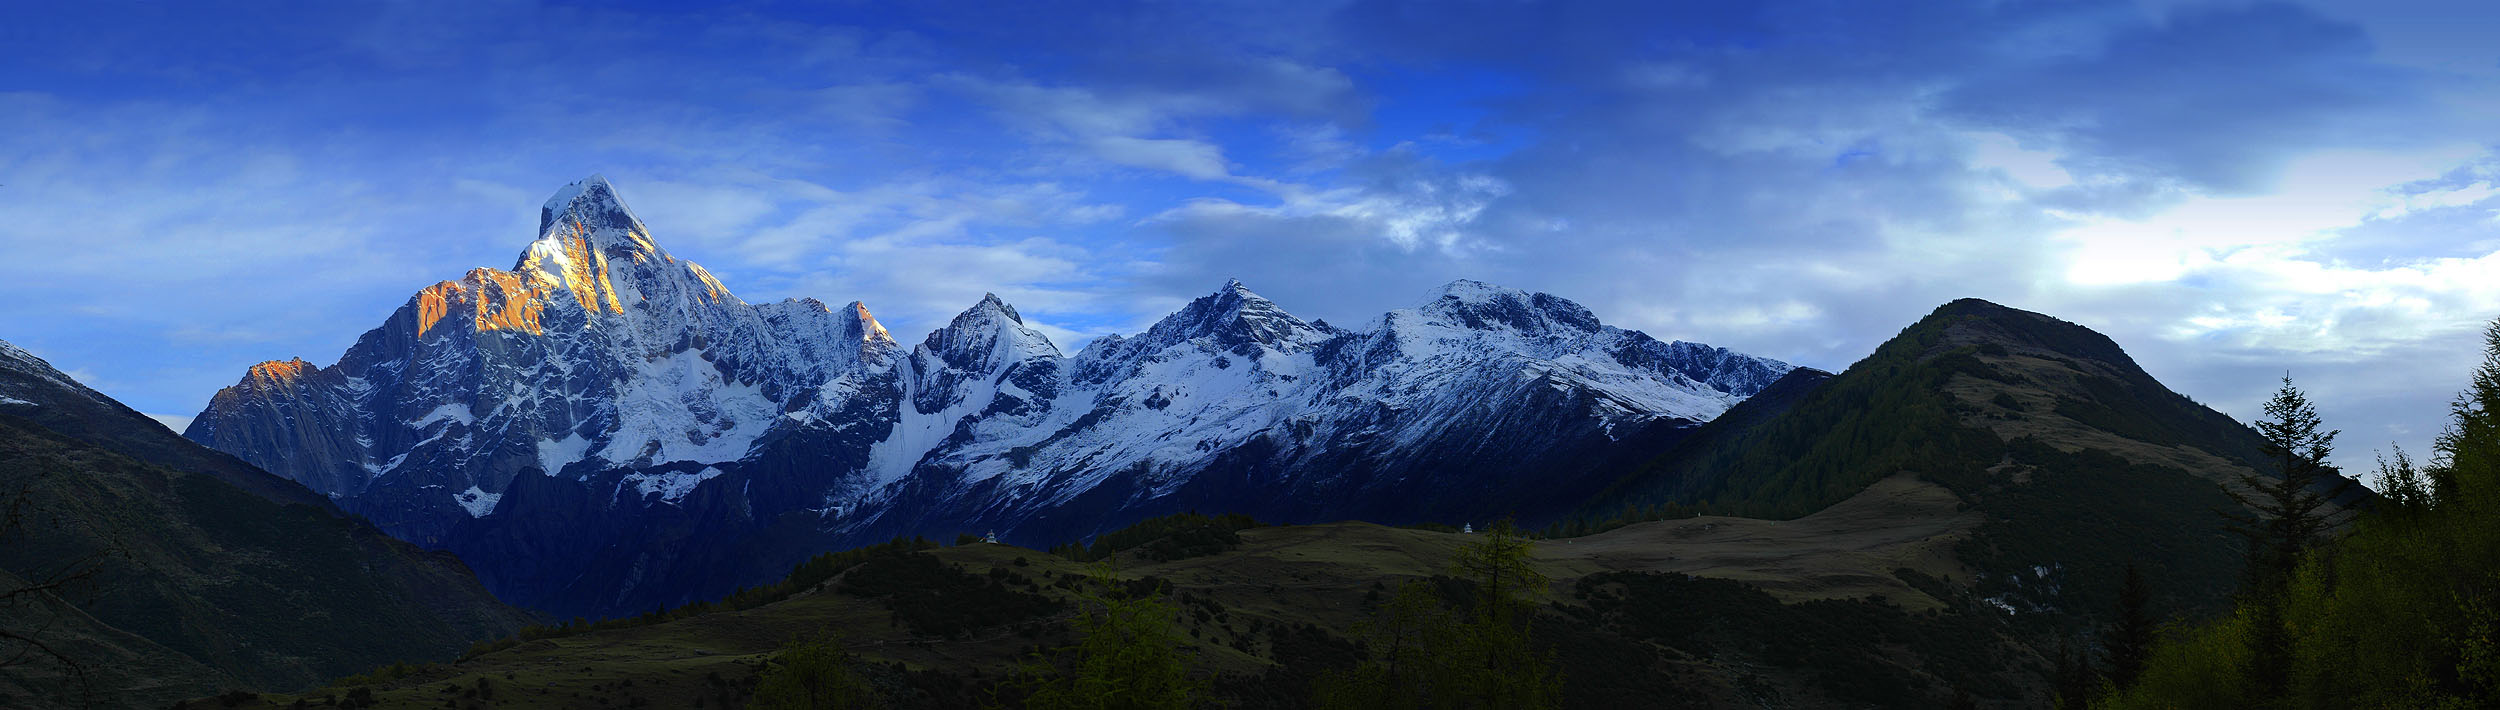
(1424, 655)
(1128, 656)
(1508, 585)
(37, 598)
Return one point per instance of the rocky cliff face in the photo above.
(605, 429)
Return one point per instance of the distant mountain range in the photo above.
(1931, 527)
(605, 429)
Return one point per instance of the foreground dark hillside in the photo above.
(141, 568)
(1261, 621)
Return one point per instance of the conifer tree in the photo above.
(2405, 612)
(1513, 674)
(2288, 514)
(2074, 681)
(2129, 640)
(2467, 454)
(1420, 654)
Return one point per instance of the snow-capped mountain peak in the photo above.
(592, 202)
(598, 350)
(964, 363)
(988, 334)
(591, 245)
(1236, 319)
(864, 327)
(692, 442)
(1476, 305)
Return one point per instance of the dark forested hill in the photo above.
(2077, 461)
(183, 570)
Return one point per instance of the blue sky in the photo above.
(2231, 190)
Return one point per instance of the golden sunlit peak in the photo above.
(712, 289)
(280, 370)
(870, 329)
(496, 299)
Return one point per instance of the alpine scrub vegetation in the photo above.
(813, 674)
(1129, 656)
(1424, 654)
(2402, 612)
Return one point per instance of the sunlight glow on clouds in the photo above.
(2288, 296)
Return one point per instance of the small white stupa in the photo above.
(991, 537)
(1469, 529)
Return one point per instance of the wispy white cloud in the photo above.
(2229, 189)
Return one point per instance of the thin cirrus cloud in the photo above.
(2231, 190)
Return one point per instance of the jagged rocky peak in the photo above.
(589, 206)
(1235, 318)
(274, 372)
(864, 326)
(986, 344)
(590, 244)
(1476, 305)
(988, 334)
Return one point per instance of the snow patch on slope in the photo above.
(477, 501)
(671, 485)
(681, 408)
(450, 412)
(555, 454)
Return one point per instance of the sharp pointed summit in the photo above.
(592, 202)
(988, 334)
(870, 331)
(991, 301)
